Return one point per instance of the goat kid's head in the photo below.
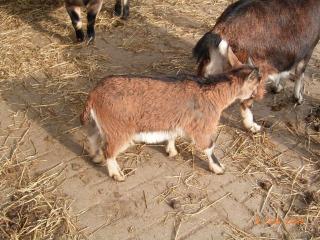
(252, 82)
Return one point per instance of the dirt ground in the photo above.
(271, 189)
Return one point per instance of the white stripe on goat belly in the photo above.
(156, 137)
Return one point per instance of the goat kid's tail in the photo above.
(86, 114)
(202, 49)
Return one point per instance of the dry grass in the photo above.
(31, 207)
(291, 196)
(45, 77)
(290, 192)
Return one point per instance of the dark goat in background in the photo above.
(93, 8)
(280, 36)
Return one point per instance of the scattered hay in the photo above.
(35, 209)
(313, 119)
(52, 75)
(31, 205)
(289, 191)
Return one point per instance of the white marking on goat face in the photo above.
(218, 59)
(217, 63)
(223, 48)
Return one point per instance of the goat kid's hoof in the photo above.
(98, 159)
(120, 178)
(219, 170)
(255, 128)
(172, 153)
(116, 173)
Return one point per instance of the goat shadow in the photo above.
(55, 104)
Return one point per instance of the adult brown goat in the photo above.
(93, 8)
(125, 109)
(280, 36)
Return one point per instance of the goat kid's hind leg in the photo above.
(206, 144)
(247, 116)
(93, 10)
(75, 16)
(121, 8)
(214, 163)
(112, 149)
(95, 147)
(171, 148)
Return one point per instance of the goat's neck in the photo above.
(223, 94)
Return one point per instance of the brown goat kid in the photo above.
(279, 35)
(122, 110)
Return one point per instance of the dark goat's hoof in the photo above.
(90, 40)
(125, 14)
(80, 35)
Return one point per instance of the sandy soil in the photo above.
(44, 81)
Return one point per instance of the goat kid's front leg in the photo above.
(121, 8)
(214, 163)
(171, 148)
(247, 116)
(74, 13)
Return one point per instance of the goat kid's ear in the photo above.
(251, 63)
(254, 75)
(255, 72)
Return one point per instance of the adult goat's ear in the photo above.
(226, 51)
(232, 58)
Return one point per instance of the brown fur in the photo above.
(127, 105)
(278, 35)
